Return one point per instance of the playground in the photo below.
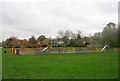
(84, 65)
(57, 50)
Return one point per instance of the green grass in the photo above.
(72, 66)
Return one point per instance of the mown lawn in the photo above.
(71, 66)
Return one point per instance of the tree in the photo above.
(45, 42)
(97, 37)
(78, 37)
(11, 42)
(86, 40)
(65, 40)
(25, 43)
(61, 33)
(73, 35)
(32, 41)
(109, 35)
(70, 38)
(65, 36)
(4, 44)
(68, 33)
(92, 41)
(41, 38)
(75, 43)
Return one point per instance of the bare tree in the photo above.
(61, 33)
(65, 35)
(73, 35)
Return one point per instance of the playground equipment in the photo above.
(15, 51)
(104, 48)
(45, 49)
(60, 50)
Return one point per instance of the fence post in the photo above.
(18, 52)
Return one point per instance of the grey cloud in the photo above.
(26, 18)
(107, 7)
(119, 13)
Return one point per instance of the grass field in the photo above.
(72, 66)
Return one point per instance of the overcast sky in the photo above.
(24, 18)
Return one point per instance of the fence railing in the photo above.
(20, 51)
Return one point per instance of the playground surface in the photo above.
(99, 65)
(56, 50)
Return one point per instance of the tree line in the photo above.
(108, 36)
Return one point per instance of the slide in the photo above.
(45, 48)
(104, 48)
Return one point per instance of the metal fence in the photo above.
(67, 51)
